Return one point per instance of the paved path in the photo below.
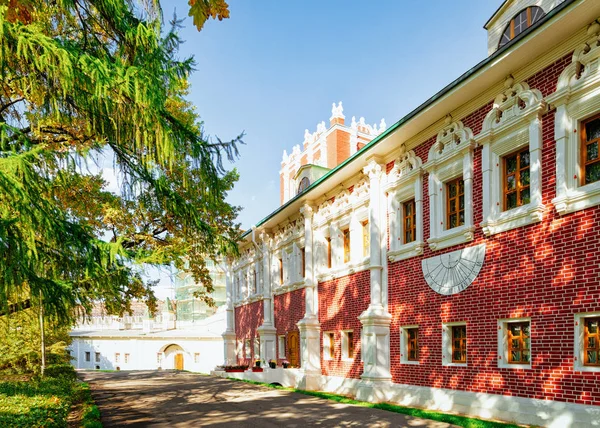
(180, 399)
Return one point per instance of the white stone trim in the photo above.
(577, 97)
(578, 342)
(404, 344)
(503, 344)
(447, 344)
(450, 157)
(405, 182)
(281, 349)
(513, 123)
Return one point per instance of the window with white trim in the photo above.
(514, 343)
(196, 357)
(117, 357)
(450, 158)
(405, 204)
(257, 348)
(247, 348)
(577, 102)
(409, 344)
(281, 346)
(88, 356)
(126, 358)
(347, 344)
(511, 137)
(454, 344)
(587, 342)
(97, 357)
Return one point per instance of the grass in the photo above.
(462, 421)
(46, 402)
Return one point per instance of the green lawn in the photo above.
(462, 421)
(45, 402)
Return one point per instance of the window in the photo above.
(514, 343)
(511, 139)
(459, 344)
(516, 179)
(366, 235)
(304, 183)
(88, 356)
(409, 344)
(522, 21)
(329, 345)
(281, 346)
(518, 343)
(450, 168)
(159, 357)
(303, 261)
(257, 347)
(254, 282)
(328, 239)
(409, 221)
(591, 342)
(117, 357)
(590, 139)
(196, 357)
(281, 271)
(455, 206)
(412, 344)
(126, 358)
(347, 345)
(346, 238)
(97, 356)
(247, 348)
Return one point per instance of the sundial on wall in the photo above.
(451, 273)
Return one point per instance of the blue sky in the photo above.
(274, 68)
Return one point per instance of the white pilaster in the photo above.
(309, 326)
(267, 331)
(375, 337)
(229, 334)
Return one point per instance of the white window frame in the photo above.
(509, 127)
(196, 357)
(117, 357)
(97, 357)
(450, 157)
(247, 348)
(281, 347)
(327, 345)
(447, 344)
(88, 357)
(256, 343)
(577, 98)
(503, 343)
(404, 344)
(346, 345)
(405, 182)
(578, 342)
(126, 358)
(239, 349)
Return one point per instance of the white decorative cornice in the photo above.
(373, 170)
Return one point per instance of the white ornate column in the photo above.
(309, 326)
(229, 334)
(375, 337)
(267, 331)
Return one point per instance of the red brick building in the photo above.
(453, 261)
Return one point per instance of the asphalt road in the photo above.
(180, 399)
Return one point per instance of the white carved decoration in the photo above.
(512, 105)
(361, 190)
(337, 111)
(453, 137)
(453, 272)
(404, 165)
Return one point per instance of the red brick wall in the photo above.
(247, 319)
(547, 271)
(289, 309)
(341, 301)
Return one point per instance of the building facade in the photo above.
(452, 262)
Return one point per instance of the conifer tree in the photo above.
(82, 77)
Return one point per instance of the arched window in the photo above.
(304, 183)
(522, 21)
